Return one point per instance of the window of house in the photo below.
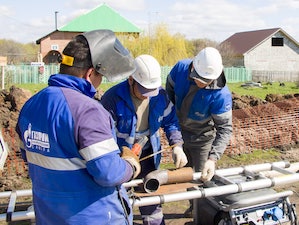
(55, 47)
(277, 41)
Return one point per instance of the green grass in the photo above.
(106, 86)
(32, 87)
(255, 157)
(261, 92)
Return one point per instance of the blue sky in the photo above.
(27, 21)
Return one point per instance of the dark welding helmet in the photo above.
(109, 57)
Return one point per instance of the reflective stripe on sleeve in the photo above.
(53, 163)
(125, 136)
(166, 112)
(121, 135)
(99, 149)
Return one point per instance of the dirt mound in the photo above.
(245, 101)
(11, 102)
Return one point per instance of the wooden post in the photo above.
(3, 77)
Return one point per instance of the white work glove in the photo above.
(179, 157)
(208, 170)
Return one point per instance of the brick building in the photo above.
(101, 17)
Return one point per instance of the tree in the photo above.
(166, 48)
(200, 44)
(229, 56)
(18, 53)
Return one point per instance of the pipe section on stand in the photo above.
(219, 190)
(155, 179)
(185, 175)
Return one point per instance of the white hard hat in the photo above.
(147, 75)
(207, 64)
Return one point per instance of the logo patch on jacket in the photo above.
(36, 139)
(228, 107)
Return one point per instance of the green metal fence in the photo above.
(24, 74)
(232, 74)
(27, 74)
(237, 74)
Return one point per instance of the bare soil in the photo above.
(11, 102)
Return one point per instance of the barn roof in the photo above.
(244, 41)
(101, 17)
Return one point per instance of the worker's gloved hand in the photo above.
(179, 157)
(208, 170)
(131, 158)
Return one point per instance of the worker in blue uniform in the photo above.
(68, 139)
(203, 102)
(140, 107)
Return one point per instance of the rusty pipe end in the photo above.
(154, 179)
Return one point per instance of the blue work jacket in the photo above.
(117, 100)
(74, 163)
(205, 114)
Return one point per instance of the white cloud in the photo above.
(5, 11)
(216, 20)
(204, 20)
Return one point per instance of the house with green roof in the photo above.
(101, 17)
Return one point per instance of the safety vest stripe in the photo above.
(101, 148)
(53, 163)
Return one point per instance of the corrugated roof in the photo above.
(244, 41)
(102, 17)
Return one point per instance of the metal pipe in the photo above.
(186, 195)
(226, 171)
(153, 180)
(18, 216)
(56, 20)
(133, 183)
(20, 193)
(217, 191)
(252, 168)
(159, 177)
